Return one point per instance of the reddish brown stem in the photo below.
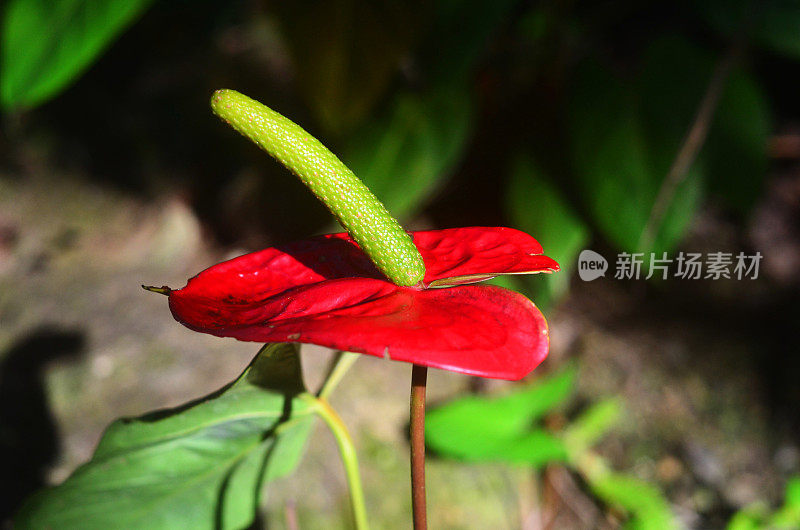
(419, 376)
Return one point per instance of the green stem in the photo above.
(343, 364)
(349, 458)
(419, 377)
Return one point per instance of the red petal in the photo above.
(452, 256)
(466, 255)
(273, 270)
(479, 330)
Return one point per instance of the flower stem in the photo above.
(349, 458)
(343, 363)
(419, 376)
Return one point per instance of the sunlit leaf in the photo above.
(643, 502)
(198, 466)
(793, 492)
(47, 44)
(535, 449)
(788, 516)
(500, 428)
(757, 515)
(751, 518)
(592, 424)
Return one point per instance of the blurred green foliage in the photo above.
(758, 516)
(46, 44)
(345, 58)
(620, 157)
(403, 155)
(535, 205)
(509, 429)
(501, 429)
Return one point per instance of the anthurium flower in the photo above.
(326, 291)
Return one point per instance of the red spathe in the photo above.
(326, 291)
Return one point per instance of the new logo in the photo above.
(591, 265)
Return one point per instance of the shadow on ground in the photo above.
(29, 440)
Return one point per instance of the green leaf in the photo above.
(757, 516)
(404, 155)
(535, 449)
(500, 429)
(609, 157)
(643, 502)
(537, 206)
(47, 44)
(673, 78)
(737, 142)
(592, 425)
(198, 466)
(788, 516)
(793, 492)
(623, 147)
(750, 518)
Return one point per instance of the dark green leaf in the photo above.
(346, 53)
(609, 156)
(673, 81)
(198, 466)
(673, 78)
(404, 155)
(47, 44)
(536, 206)
(623, 147)
(486, 429)
(737, 143)
(779, 26)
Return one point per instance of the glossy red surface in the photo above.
(326, 291)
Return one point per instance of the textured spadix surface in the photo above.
(326, 291)
(348, 199)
